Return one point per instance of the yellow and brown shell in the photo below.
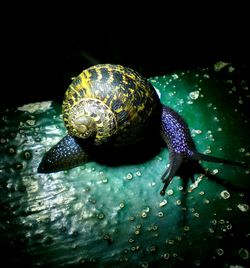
(111, 102)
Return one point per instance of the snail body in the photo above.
(112, 105)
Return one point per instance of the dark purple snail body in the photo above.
(114, 105)
(176, 134)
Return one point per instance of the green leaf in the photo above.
(102, 215)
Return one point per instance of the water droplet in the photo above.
(138, 173)
(220, 251)
(170, 192)
(197, 262)
(131, 240)
(166, 256)
(178, 202)
(18, 166)
(105, 180)
(175, 76)
(194, 95)
(160, 214)
(170, 241)
(215, 171)
(211, 230)
(101, 216)
(221, 221)
(27, 155)
(242, 150)
(243, 207)
(144, 264)
(11, 150)
(122, 205)
(163, 203)
(207, 151)
(144, 214)
(214, 222)
(155, 228)
(137, 232)
(225, 194)
(3, 140)
(196, 131)
(244, 253)
(153, 184)
(31, 122)
(186, 228)
(129, 176)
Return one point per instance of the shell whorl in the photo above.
(115, 103)
(90, 117)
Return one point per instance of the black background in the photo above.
(43, 47)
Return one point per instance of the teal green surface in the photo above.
(105, 216)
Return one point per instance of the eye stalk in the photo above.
(83, 127)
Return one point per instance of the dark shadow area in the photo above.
(42, 53)
(137, 153)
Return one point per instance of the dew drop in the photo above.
(122, 205)
(178, 202)
(163, 203)
(131, 240)
(129, 176)
(225, 194)
(214, 222)
(170, 192)
(197, 262)
(166, 256)
(211, 230)
(31, 122)
(220, 251)
(138, 173)
(137, 232)
(144, 264)
(160, 214)
(194, 95)
(2, 140)
(101, 216)
(215, 171)
(244, 253)
(18, 166)
(243, 207)
(11, 150)
(27, 155)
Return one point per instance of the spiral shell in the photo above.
(110, 103)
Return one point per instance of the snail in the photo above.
(112, 105)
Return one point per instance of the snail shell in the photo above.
(110, 103)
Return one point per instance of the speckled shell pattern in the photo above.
(123, 104)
